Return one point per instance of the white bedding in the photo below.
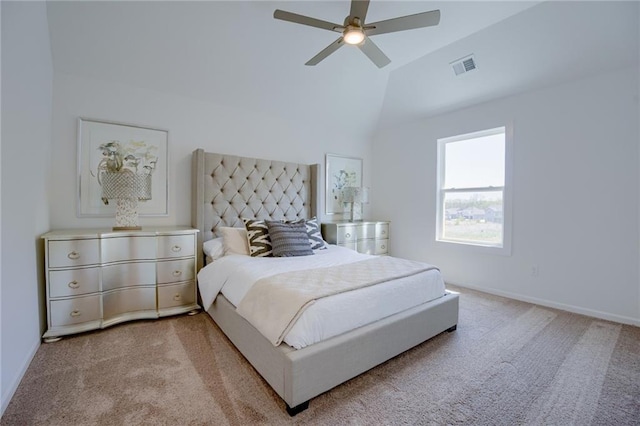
(233, 275)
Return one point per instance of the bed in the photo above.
(228, 188)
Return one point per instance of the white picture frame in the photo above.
(340, 172)
(93, 133)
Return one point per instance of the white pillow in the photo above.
(234, 240)
(214, 249)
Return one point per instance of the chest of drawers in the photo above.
(100, 278)
(370, 237)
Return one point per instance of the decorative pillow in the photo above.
(289, 239)
(214, 249)
(258, 238)
(313, 232)
(234, 240)
(315, 236)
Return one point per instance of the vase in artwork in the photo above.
(127, 188)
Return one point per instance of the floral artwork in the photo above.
(341, 172)
(113, 147)
(132, 158)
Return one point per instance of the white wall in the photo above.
(192, 124)
(576, 204)
(26, 137)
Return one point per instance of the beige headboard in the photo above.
(227, 188)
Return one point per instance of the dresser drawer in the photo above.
(346, 233)
(176, 295)
(350, 245)
(128, 274)
(382, 231)
(128, 248)
(73, 282)
(171, 271)
(366, 231)
(74, 311)
(381, 247)
(122, 301)
(176, 246)
(63, 254)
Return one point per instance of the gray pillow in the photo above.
(289, 239)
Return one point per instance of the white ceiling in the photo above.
(236, 54)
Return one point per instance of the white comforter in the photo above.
(233, 275)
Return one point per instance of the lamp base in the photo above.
(126, 214)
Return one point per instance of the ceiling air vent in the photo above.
(466, 64)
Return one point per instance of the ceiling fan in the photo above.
(356, 32)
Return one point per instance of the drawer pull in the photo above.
(177, 273)
(176, 249)
(75, 313)
(74, 255)
(347, 235)
(177, 297)
(383, 232)
(383, 247)
(73, 284)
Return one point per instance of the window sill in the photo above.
(477, 248)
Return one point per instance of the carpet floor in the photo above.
(508, 363)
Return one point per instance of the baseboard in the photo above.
(551, 304)
(7, 394)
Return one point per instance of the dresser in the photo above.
(98, 278)
(370, 237)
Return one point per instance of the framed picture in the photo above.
(341, 172)
(143, 149)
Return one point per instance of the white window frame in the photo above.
(507, 192)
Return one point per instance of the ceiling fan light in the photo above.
(353, 35)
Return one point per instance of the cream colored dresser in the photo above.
(370, 237)
(97, 278)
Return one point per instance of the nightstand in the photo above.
(369, 237)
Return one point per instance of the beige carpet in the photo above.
(509, 363)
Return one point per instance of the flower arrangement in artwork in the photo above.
(135, 159)
(342, 179)
(134, 156)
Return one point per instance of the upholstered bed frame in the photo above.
(227, 188)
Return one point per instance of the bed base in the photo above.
(297, 376)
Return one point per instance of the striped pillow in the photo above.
(258, 238)
(289, 239)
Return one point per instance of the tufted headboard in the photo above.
(226, 188)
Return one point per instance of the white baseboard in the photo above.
(551, 304)
(7, 394)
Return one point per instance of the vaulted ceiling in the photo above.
(235, 53)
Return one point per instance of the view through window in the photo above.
(471, 182)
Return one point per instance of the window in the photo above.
(473, 202)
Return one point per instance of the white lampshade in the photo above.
(355, 194)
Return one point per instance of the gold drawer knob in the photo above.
(177, 297)
(73, 284)
(177, 273)
(176, 249)
(75, 313)
(74, 255)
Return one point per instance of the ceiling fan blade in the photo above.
(305, 20)
(359, 9)
(374, 53)
(409, 22)
(326, 52)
